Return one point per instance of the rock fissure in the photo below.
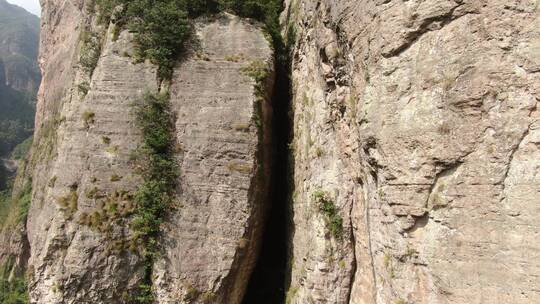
(511, 159)
(354, 261)
(267, 283)
(425, 27)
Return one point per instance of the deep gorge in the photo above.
(268, 280)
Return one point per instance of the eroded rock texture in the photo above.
(84, 176)
(223, 138)
(419, 121)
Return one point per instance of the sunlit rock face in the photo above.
(418, 120)
(79, 227)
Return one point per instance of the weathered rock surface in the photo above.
(419, 120)
(82, 156)
(415, 157)
(223, 138)
(84, 177)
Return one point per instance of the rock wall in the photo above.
(418, 121)
(223, 137)
(414, 157)
(84, 175)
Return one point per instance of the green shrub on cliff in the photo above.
(14, 291)
(90, 51)
(161, 28)
(334, 221)
(15, 210)
(159, 172)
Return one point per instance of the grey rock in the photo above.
(82, 162)
(423, 131)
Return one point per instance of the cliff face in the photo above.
(414, 158)
(418, 122)
(85, 176)
(223, 128)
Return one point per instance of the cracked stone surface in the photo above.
(212, 238)
(420, 119)
(78, 232)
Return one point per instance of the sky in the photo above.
(30, 5)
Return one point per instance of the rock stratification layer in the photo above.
(223, 135)
(418, 121)
(81, 246)
(414, 157)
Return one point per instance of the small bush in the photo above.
(83, 88)
(112, 149)
(90, 52)
(243, 127)
(52, 182)
(92, 193)
(115, 178)
(88, 118)
(234, 58)
(239, 167)
(328, 208)
(257, 69)
(319, 152)
(69, 203)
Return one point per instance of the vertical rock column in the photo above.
(81, 247)
(222, 123)
(78, 225)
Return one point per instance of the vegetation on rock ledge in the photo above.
(162, 28)
(14, 290)
(326, 205)
(159, 172)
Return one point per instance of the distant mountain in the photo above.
(16, 115)
(19, 44)
(19, 77)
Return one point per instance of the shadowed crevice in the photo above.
(267, 283)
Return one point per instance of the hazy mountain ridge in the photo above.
(19, 77)
(19, 43)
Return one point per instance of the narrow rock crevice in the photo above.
(267, 282)
(424, 28)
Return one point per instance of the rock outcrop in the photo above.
(415, 155)
(84, 176)
(223, 134)
(418, 122)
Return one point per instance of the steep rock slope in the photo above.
(83, 174)
(415, 149)
(223, 130)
